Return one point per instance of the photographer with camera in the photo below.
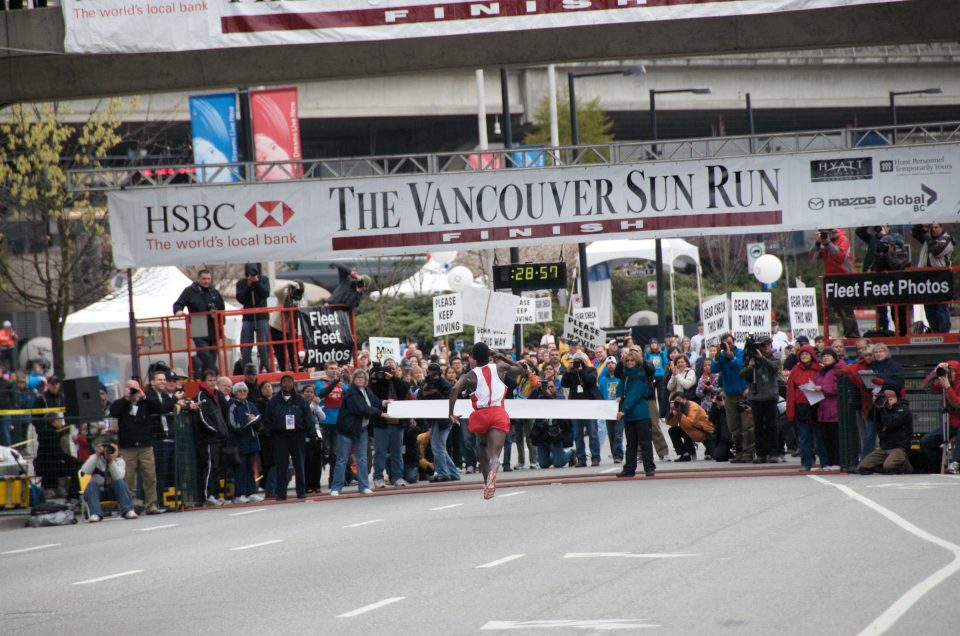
(283, 325)
(936, 250)
(833, 248)
(892, 255)
(943, 380)
(762, 371)
(581, 381)
(895, 429)
(728, 363)
(689, 425)
(387, 383)
(435, 387)
(253, 290)
(107, 470)
(136, 443)
(202, 297)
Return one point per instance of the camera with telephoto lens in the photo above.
(378, 373)
(751, 347)
(295, 292)
(678, 404)
(108, 449)
(824, 235)
(941, 372)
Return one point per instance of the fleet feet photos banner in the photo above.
(144, 26)
(326, 219)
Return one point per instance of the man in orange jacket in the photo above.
(689, 424)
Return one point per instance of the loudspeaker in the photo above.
(82, 397)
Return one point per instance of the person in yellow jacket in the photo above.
(689, 424)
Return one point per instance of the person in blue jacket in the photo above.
(728, 363)
(359, 408)
(289, 419)
(244, 420)
(633, 391)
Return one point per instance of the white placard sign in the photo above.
(804, 319)
(526, 311)
(587, 334)
(750, 314)
(447, 314)
(715, 313)
(544, 309)
(494, 339)
(494, 311)
(589, 315)
(384, 348)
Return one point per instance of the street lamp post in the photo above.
(661, 309)
(893, 104)
(575, 141)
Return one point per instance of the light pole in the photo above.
(893, 104)
(575, 141)
(661, 310)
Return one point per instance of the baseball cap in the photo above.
(53, 378)
(610, 360)
(171, 376)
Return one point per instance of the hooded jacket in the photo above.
(827, 381)
(799, 375)
(952, 393)
(634, 389)
(835, 254)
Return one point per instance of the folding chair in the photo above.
(109, 506)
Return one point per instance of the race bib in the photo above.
(291, 422)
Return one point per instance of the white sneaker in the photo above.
(256, 498)
(130, 514)
(953, 468)
(367, 491)
(837, 468)
(378, 484)
(94, 519)
(334, 493)
(213, 501)
(519, 466)
(242, 499)
(534, 465)
(400, 483)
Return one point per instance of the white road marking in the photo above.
(363, 523)
(108, 577)
(615, 469)
(902, 605)
(372, 606)
(626, 555)
(447, 507)
(493, 564)
(258, 545)
(513, 494)
(912, 485)
(36, 547)
(603, 625)
(246, 512)
(169, 525)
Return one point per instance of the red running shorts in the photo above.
(482, 420)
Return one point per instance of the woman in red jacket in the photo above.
(799, 409)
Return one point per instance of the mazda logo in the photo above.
(815, 203)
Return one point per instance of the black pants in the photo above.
(765, 427)
(289, 444)
(831, 436)
(52, 466)
(212, 468)
(638, 434)
(313, 464)
(681, 443)
(455, 445)
(284, 353)
(848, 322)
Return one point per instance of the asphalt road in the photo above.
(788, 554)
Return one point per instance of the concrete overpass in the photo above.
(33, 65)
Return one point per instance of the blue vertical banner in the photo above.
(213, 124)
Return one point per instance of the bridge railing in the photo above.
(102, 179)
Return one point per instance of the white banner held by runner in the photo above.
(715, 313)
(804, 319)
(750, 314)
(324, 219)
(447, 314)
(382, 349)
(585, 333)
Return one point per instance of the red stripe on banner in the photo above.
(598, 228)
(433, 13)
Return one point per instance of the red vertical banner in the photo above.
(276, 132)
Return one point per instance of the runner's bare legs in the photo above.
(491, 445)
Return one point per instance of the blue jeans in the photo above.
(869, 440)
(388, 440)
(442, 463)
(344, 444)
(94, 493)
(588, 427)
(247, 331)
(469, 445)
(939, 317)
(805, 431)
(553, 455)
(615, 436)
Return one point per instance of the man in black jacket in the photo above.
(161, 406)
(201, 297)
(252, 292)
(895, 428)
(581, 380)
(288, 418)
(51, 462)
(136, 444)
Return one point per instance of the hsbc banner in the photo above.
(145, 26)
(326, 336)
(411, 214)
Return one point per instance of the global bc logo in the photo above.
(208, 226)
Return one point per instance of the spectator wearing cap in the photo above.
(51, 462)
(757, 436)
(136, 443)
(791, 357)
(613, 348)
(573, 347)
(108, 478)
(607, 383)
(289, 420)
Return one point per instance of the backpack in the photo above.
(50, 514)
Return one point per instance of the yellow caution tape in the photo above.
(48, 409)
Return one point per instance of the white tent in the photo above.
(677, 255)
(424, 282)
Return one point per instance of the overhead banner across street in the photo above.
(408, 214)
(138, 26)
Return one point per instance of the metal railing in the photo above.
(104, 179)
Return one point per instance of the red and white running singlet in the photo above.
(488, 401)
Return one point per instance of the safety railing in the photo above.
(102, 179)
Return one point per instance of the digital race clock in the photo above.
(527, 276)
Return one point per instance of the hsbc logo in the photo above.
(269, 214)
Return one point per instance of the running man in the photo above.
(489, 419)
